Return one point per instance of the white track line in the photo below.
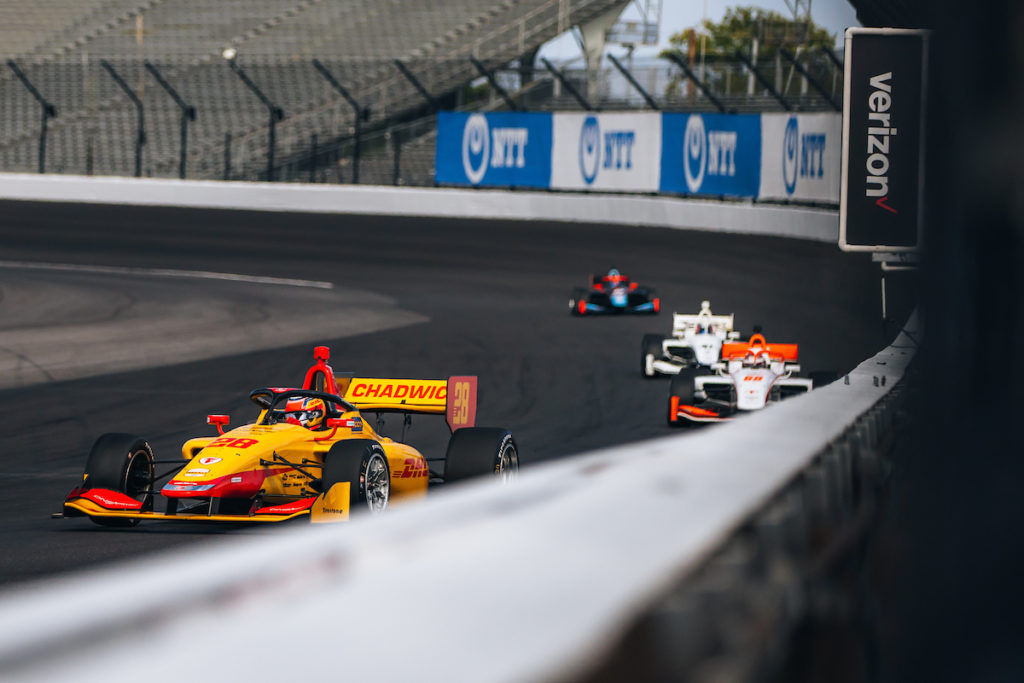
(163, 272)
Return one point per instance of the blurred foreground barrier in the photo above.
(694, 544)
(733, 217)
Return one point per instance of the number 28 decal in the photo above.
(231, 442)
(461, 413)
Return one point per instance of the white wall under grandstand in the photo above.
(669, 212)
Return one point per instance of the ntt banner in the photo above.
(800, 156)
(755, 156)
(711, 154)
(617, 152)
(505, 149)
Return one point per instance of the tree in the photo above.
(737, 30)
(741, 25)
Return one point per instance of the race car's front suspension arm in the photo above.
(277, 459)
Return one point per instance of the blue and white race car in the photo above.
(696, 341)
(613, 293)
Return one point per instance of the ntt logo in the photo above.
(590, 149)
(695, 145)
(790, 154)
(476, 148)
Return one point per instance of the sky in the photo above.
(833, 15)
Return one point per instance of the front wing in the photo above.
(647, 307)
(108, 504)
(703, 412)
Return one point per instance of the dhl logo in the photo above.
(413, 391)
(414, 468)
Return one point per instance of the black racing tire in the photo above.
(362, 463)
(650, 346)
(579, 294)
(683, 389)
(480, 451)
(122, 463)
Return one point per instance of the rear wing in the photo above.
(681, 322)
(786, 352)
(454, 397)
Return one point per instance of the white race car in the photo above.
(750, 376)
(696, 341)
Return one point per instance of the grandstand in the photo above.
(59, 45)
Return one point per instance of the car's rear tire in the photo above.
(479, 451)
(681, 388)
(362, 463)
(122, 463)
(650, 351)
(577, 299)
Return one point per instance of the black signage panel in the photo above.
(883, 140)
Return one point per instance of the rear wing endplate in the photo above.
(454, 397)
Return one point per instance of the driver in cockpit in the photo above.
(306, 412)
(756, 359)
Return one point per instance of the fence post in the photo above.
(568, 86)
(48, 110)
(396, 140)
(632, 81)
(420, 88)
(188, 113)
(810, 79)
(699, 83)
(275, 112)
(764, 81)
(489, 75)
(360, 113)
(140, 123)
(227, 156)
(312, 160)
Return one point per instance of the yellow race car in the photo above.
(309, 454)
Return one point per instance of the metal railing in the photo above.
(336, 125)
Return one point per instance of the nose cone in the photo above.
(706, 348)
(752, 389)
(619, 296)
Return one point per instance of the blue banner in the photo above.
(711, 154)
(505, 149)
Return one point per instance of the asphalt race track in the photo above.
(83, 352)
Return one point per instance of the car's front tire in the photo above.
(578, 301)
(682, 388)
(122, 463)
(362, 463)
(650, 350)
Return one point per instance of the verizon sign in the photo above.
(882, 182)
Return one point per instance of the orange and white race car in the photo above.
(309, 453)
(750, 375)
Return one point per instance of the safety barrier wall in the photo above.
(618, 209)
(532, 581)
(792, 157)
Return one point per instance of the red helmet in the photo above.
(308, 412)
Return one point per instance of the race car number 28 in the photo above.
(461, 413)
(231, 442)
